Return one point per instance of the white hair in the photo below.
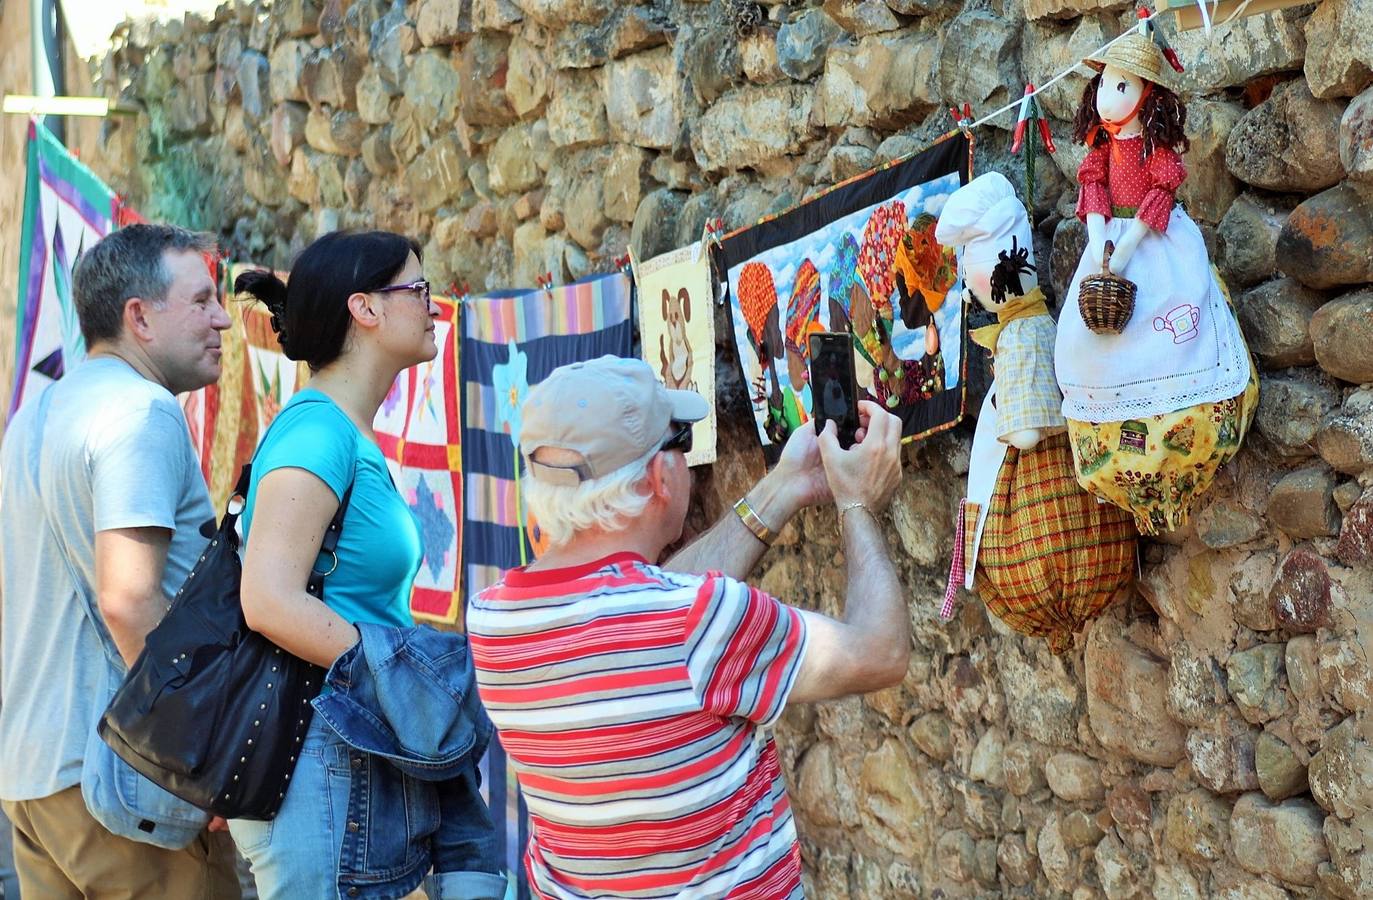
(607, 503)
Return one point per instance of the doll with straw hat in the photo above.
(1154, 410)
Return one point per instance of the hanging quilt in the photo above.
(420, 434)
(677, 332)
(510, 341)
(66, 209)
(859, 258)
(256, 379)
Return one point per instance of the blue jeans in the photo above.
(295, 855)
(9, 881)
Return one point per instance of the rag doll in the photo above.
(1044, 555)
(1154, 411)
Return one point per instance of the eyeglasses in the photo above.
(679, 438)
(421, 286)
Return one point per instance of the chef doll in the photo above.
(1043, 554)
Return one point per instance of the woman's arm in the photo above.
(292, 509)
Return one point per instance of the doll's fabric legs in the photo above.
(1156, 467)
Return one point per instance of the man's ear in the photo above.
(136, 323)
(364, 309)
(656, 477)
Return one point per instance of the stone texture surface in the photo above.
(1325, 241)
(1192, 742)
(1339, 62)
(1248, 240)
(1276, 317)
(1302, 503)
(1291, 407)
(881, 79)
(1275, 145)
(1345, 439)
(752, 125)
(1342, 336)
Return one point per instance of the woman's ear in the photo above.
(364, 309)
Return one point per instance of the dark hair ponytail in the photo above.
(270, 291)
(310, 312)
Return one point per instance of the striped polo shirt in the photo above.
(636, 707)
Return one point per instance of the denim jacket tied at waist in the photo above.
(404, 700)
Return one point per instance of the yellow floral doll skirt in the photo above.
(1156, 467)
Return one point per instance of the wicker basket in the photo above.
(1106, 300)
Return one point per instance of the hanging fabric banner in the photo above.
(859, 258)
(511, 341)
(420, 433)
(256, 379)
(66, 209)
(677, 331)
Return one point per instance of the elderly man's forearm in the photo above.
(875, 601)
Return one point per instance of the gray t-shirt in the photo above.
(114, 452)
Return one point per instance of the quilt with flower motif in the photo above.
(419, 431)
(512, 340)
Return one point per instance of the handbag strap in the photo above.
(314, 585)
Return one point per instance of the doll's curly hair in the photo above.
(1163, 116)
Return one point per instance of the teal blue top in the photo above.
(379, 549)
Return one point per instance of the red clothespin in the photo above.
(545, 281)
(452, 289)
(963, 120)
(622, 262)
(1027, 105)
(1150, 29)
(1030, 111)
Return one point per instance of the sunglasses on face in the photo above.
(679, 438)
(421, 287)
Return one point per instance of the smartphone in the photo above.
(833, 386)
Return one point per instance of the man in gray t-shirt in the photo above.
(100, 512)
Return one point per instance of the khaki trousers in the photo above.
(61, 851)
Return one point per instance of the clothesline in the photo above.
(1019, 101)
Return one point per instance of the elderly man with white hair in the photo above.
(636, 701)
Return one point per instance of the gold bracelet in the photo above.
(753, 523)
(844, 510)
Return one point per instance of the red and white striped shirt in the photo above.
(636, 707)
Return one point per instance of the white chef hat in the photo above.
(982, 217)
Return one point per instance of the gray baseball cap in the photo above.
(610, 411)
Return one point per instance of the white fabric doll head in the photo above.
(987, 219)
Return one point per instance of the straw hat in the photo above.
(1137, 54)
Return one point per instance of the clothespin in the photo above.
(622, 262)
(963, 120)
(1029, 110)
(1149, 28)
(545, 281)
(452, 289)
(711, 233)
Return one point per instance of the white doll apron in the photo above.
(1181, 347)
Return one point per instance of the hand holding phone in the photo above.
(833, 385)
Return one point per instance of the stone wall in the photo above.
(1211, 736)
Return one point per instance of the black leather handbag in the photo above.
(212, 711)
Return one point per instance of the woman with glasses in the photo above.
(357, 310)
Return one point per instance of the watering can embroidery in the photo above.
(1180, 321)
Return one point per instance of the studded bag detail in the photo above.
(212, 711)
